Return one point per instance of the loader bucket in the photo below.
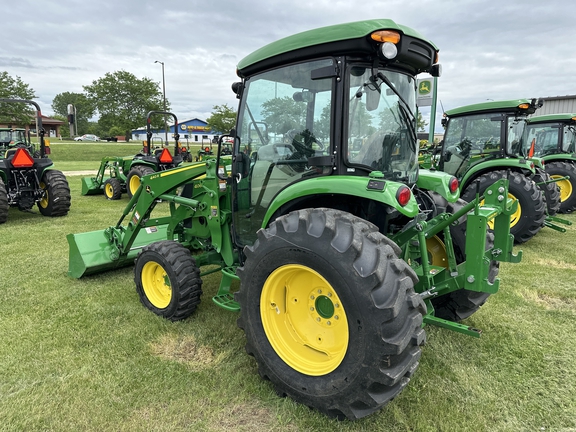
(90, 186)
(91, 252)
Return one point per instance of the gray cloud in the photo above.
(489, 50)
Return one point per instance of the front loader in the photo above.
(27, 175)
(118, 174)
(343, 247)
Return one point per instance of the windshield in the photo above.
(382, 123)
(543, 138)
(470, 139)
(9, 136)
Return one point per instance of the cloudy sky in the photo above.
(489, 49)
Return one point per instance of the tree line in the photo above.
(119, 100)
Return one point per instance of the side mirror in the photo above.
(237, 88)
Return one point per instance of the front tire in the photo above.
(529, 217)
(330, 313)
(56, 199)
(559, 169)
(168, 280)
(112, 189)
(134, 176)
(550, 191)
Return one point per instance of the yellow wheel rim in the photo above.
(514, 217)
(565, 187)
(45, 199)
(156, 285)
(304, 320)
(437, 255)
(108, 190)
(134, 184)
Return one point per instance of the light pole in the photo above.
(164, 95)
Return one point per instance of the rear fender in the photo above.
(438, 182)
(519, 165)
(380, 190)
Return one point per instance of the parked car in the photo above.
(87, 137)
(109, 138)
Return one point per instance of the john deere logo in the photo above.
(424, 87)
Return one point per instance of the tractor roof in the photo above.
(340, 39)
(549, 118)
(492, 106)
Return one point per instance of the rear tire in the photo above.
(330, 313)
(550, 191)
(112, 189)
(168, 280)
(558, 169)
(3, 203)
(56, 199)
(134, 176)
(529, 218)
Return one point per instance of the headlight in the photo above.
(389, 50)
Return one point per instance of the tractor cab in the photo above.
(12, 138)
(327, 122)
(550, 134)
(483, 132)
(552, 138)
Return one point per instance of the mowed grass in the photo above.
(86, 355)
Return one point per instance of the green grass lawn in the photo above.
(86, 355)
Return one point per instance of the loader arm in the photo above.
(198, 206)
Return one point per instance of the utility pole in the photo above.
(164, 95)
(72, 119)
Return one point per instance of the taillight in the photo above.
(403, 195)
(165, 156)
(453, 184)
(207, 149)
(22, 159)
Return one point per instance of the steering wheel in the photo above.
(303, 140)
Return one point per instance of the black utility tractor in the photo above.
(27, 176)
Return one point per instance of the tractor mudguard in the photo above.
(520, 165)
(372, 188)
(438, 182)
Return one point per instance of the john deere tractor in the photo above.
(481, 145)
(119, 174)
(27, 177)
(343, 247)
(552, 137)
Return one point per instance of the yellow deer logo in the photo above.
(424, 87)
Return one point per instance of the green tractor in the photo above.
(118, 174)
(552, 137)
(27, 176)
(343, 247)
(481, 146)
